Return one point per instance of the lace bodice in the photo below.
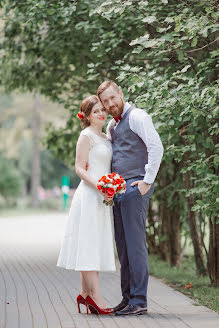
(100, 155)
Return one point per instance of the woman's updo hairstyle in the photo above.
(85, 109)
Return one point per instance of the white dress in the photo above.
(88, 241)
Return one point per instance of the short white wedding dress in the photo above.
(88, 241)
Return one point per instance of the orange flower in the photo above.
(188, 286)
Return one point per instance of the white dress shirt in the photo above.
(141, 124)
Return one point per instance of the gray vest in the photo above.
(129, 151)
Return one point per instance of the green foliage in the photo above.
(52, 171)
(170, 64)
(10, 180)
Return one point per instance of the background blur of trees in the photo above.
(164, 56)
(16, 147)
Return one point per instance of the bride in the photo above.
(87, 244)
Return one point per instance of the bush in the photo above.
(10, 180)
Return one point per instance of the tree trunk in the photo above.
(151, 234)
(175, 238)
(170, 215)
(174, 223)
(35, 178)
(196, 240)
(164, 215)
(213, 256)
(165, 233)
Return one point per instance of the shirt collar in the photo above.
(126, 107)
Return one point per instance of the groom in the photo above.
(137, 153)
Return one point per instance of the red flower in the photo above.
(110, 191)
(99, 187)
(80, 115)
(104, 190)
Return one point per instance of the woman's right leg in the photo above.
(91, 281)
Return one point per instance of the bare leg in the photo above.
(84, 287)
(91, 279)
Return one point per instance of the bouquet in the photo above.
(113, 184)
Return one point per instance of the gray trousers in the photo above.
(130, 212)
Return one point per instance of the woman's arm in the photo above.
(81, 161)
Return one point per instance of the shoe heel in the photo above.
(93, 309)
(79, 309)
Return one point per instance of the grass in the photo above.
(201, 291)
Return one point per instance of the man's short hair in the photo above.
(105, 85)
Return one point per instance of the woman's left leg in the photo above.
(84, 288)
(91, 279)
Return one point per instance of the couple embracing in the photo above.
(133, 149)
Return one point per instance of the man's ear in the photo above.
(121, 94)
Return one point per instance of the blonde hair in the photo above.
(105, 85)
(86, 107)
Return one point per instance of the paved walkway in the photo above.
(34, 293)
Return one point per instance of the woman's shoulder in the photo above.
(90, 135)
(86, 132)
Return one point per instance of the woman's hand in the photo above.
(106, 197)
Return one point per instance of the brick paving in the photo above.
(34, 293)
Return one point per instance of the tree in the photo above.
(10, 180)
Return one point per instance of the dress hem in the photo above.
(86, 269)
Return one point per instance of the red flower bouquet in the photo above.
(113, 184)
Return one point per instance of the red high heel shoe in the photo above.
(93, 306)
(81, 300)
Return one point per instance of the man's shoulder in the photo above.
(139, 113)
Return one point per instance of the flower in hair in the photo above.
(80, 115)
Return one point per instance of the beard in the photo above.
(117, 110)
